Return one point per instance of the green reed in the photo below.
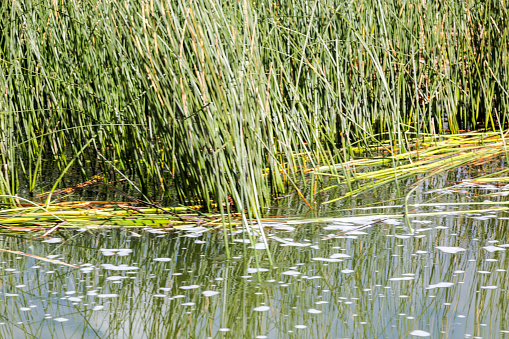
(211, 99)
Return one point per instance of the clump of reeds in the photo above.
(217, 99)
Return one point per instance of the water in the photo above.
(448, 279)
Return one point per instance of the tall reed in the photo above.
(224, 98)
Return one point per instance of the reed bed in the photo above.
(215, 100)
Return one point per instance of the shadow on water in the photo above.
(448, 278)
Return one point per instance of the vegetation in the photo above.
(217, 99)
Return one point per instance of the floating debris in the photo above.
(254, 270)
(440, 285)
(121, 267)
(291, 272)
(53, 240)
(261, 308)
(209, 293)
(401, 279)
(420, 333)
(452, 250)
(493, 248)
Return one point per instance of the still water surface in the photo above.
(448, 279)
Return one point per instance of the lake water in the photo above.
(447, 279)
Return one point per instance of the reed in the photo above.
(207, 100)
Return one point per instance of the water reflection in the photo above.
(449, 278)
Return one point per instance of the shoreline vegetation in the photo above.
(227, 105)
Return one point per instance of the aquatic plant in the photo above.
(216, 100)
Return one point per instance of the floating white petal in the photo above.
(254, 270)
(326, 259)
(53, 241)
(261, 308)
(420, 333)
(259, 246)
(61, 320)
(111, 295)
(209, 293)
(493, 248)
(440, 284)
(401, 278)
(453, 250)
(294, 273)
